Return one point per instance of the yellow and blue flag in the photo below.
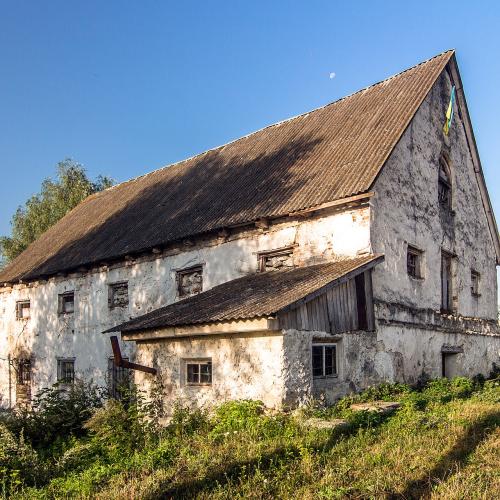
(449, 112)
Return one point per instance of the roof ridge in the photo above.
(276, 124)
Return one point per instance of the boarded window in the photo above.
(118, 380)
(199, 372)
(324, 360)
(414, 262)
(118, 294)
(66, 303)
(444, 184)
(474, 282)
(66, 371)
(189, 281)
(276, 259)
(23, 309)
(446, 282)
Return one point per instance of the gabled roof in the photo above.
(330, 153)
(253, 296)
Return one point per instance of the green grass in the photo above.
(444, 442)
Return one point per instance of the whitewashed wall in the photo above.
(405, 210)
(244, 366)
(48, 335)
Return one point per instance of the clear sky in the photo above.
(127, 87)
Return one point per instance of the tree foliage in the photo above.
(42, 210)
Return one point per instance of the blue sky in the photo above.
(127, 87)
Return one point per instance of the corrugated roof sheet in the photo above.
(327, 154)
(253, 296)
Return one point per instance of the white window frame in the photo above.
(323, 345)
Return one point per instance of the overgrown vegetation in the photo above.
(443, 442)
(42, 210)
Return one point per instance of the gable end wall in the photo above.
(405, 210)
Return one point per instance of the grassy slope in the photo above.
(447, 450)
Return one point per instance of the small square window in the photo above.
(199, 372)
(118, 294)
(66, 371)
(67, 303)
(23, 310)
(324, 360)
(414, 262)
(189, 281)
(275, 260)
(474, 280)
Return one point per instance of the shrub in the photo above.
(186, 421)
(19, 463)
(116, 428)
(443, 390)
(56, 414)
(245, 416)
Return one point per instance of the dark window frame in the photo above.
(23, 371)
(186, 271)
(197, 369)
(278, 252)
(21, 306)
(447, 301)
(112, 288)
(445, 188)
(475, 278)
(414, 262)
(63, 301)
(65, 375)
(119, 379)
(320, 368)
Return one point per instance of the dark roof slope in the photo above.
(253, 296)
(327, 154)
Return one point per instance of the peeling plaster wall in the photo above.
(420, 352)
(361, 362)
(48, 335)
(405, 210)
(244, 366)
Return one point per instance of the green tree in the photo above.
(42, 210)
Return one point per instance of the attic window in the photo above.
(67, 303)
(274, 260)
(189, 281)
(414, 262)
(474, 283)
(118, 294)
(23, 309)
(444, 184)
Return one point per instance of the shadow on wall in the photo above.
(209, 194)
